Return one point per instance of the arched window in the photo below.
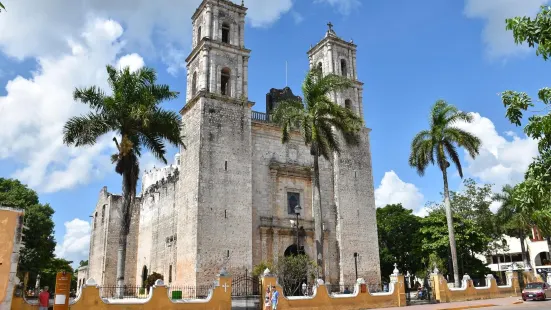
(344, 69)
(348, 104)
(225, 82)
(170, 274)
(226, 33)
(199, 37)
(320, 67)
(194, 84)
(95, 219)
(103, 213)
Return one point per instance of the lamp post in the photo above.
(297, 213)
(356, 264)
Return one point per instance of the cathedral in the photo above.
(237, 196)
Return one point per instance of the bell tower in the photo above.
(218, 62)
(215, 199)
(354, 195)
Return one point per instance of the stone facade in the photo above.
(228, 200)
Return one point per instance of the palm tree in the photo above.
(513, 219)
(133, 114)
(319, 120)
(435, 146)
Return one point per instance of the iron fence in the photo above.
(124, 292)
(189, 292)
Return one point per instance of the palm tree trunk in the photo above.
(523, 248)
(318, 218)
(451, 233)
(123, 236)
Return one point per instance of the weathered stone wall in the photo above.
(104, 240)
(158, 228)
(354, 197)
(278, 169)
(224, 213)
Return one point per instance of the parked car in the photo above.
(536, 291)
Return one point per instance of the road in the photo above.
(528, 305)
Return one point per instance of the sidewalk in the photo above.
(465, 304)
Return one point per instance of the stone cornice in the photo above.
(236, 7)
(207, 43)
(294, 170)
(334, 40)
(209, 95)
(172, 178)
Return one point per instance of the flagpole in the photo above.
(286, 84)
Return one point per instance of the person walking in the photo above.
(43, 299)
(275, 298)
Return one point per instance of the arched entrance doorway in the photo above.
(294, 250)
(144, 275)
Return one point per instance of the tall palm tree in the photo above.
(319, 120)
(513, 219)
(438, 144)
(133, 114)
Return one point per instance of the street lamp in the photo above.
(297, 213)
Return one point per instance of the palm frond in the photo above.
(85, 130)
(92, 96)
(463, 139)
(454, 156)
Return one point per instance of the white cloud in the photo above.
(76, 241)
(44, 30)
(392, 190)
(498, 41)
(34, 111)
(132, 61)
(344, 6)
(501, 160)
(297, 17)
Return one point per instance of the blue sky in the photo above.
(410, 54)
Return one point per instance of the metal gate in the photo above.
(422, 294)
(246, 292)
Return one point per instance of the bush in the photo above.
(152, 278)
(294, 270)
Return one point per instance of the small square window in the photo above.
(293, 200)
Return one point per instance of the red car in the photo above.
(536, 291)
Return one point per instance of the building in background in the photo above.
(229, 199)
(11, 234)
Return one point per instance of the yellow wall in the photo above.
(90, 299)
(322, 300)
(444, 294)
(8, 225)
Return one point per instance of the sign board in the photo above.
(62, 288)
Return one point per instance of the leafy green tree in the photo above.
(83, 263)
(469, 237)
(258, 270)
(152, 278)
(132, 113)
(438, 144)
(399, 240)
(513, 220)
(473, 203)
(38, 234)
(49, 272)
(533, 193)
(319, 120)
(294, 270)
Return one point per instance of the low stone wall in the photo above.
(89, 298)
(321, 300)
(469, 292)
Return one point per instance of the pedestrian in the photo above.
(267, 299)
(275, 298)
(43, 299)
(347, 291)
